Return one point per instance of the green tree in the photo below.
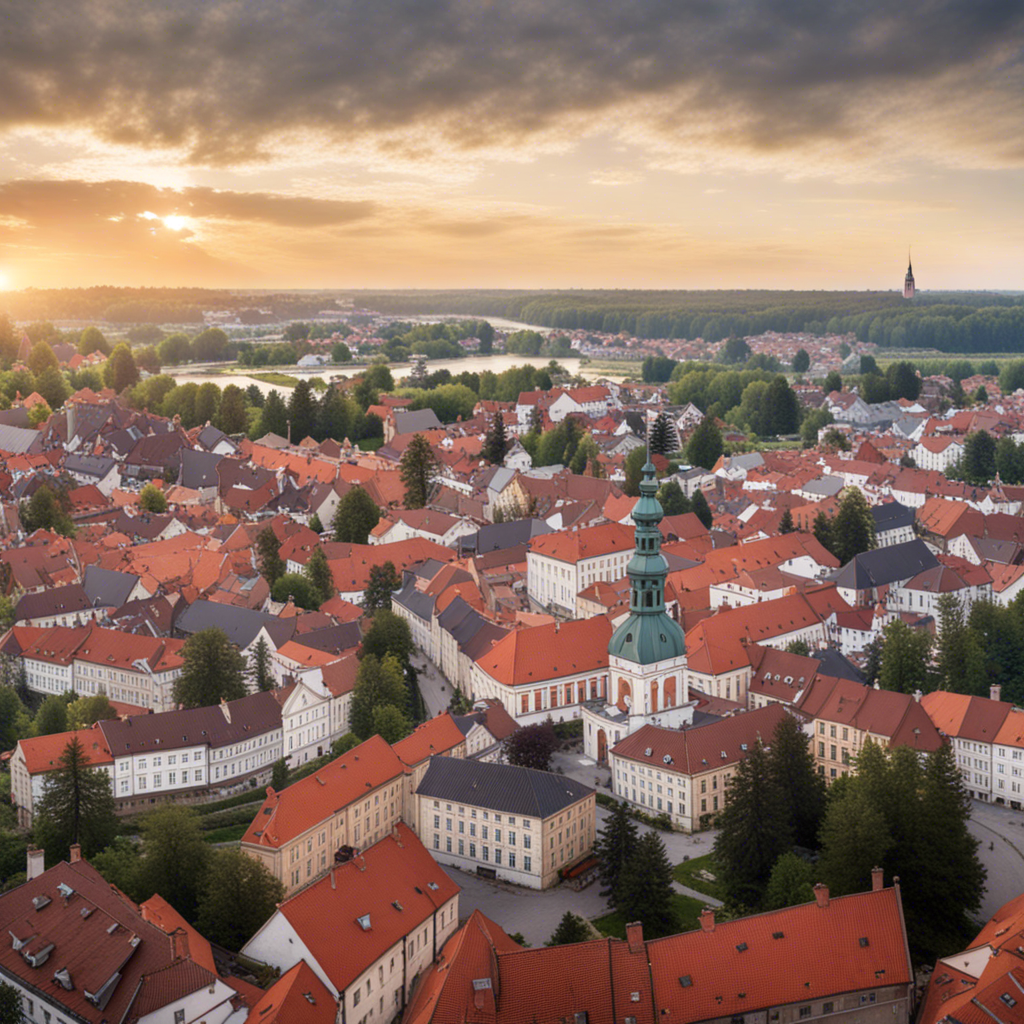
(314, 523)
(268, 556)
(701, 509)
(77, 806)
(341, 353)
(274, 417)
(213, 670)
(388, 634)
(297, 586)
(905, 655)
(301, 412)
(175, 858)
(790, 883)
(823, 530)
(661, 435)
(207, 403)
(978, 463)
(959, 655)
(868, 365)
(10, 1004)
(378, 683)
(854, 839)
(497, 444)
(319, 574)
(233, 414)
(833, 382)
(802, 789)
(634, 470)
(46, 510)
(783, 412)
(813, 422)
(586, 456)
(356, 515)
(239, 895)
(210, 345)
(391, 723)
(417, 469)
(52, 716)
(835, 440)
(53, 386)
(384, 580)
(174, 350)
(645, 892)
(735, 350)
(786, 522)
(39, 413)
(613, 846)
(801, 361)
(120, 371)
(753, 829)
(42, 358)
(853, 531)
(672, 499)
(531, 746)
(903, 381)
(705, 445)
(259, 666)
(570, 929)
(15, 723)
(86, 711)
(120, 864)
(92, 340)
(152, 499)
(279, 774)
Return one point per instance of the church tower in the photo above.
(908, 281)
(647, 653)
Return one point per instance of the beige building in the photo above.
(502, 822)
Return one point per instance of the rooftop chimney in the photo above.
(707, 919)
(821, 894)
(179, 944)
(227, 711)
(995, 691)
(36, 863)
(877, 881)
(76, 853)
(635, 937)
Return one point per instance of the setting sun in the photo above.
(175, 222)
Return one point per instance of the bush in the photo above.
(571, 730)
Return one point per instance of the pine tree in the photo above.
(378, 683)
(417, 471)
(319, 574)
(175, 858)
(823, 531)
(705, 445)
(960, 656)
(854, 839)
(496, 445)
(384, 580)
(613, 847)
(790, 883)
(753, 829)
(302, 412)
(645, 892)
(570, 929)
(791, 762)
(77, 806)
(356, 515)
(259, 666)
(905, 656)
(274, 417)
(786, 522)
(853, 531)
(268, 556)
(213, 670)
(702, 510)
(661, 434)
(672, 499)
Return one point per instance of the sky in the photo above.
(512, 143)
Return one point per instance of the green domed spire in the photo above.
(649, 634)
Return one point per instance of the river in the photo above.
(470, 364)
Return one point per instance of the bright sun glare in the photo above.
(5, 281)
(175, 222)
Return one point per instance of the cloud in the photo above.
(231, 81)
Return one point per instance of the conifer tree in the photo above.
(854, 528)
(417, 470)
(259, 666)
(613, 847)
(356, 515)
(644, 891)
(268, 556)
(661, 435)
(496, 445)
(960, 657)
(823, 531)
(702, 510)
(786, 522)
(905, 655)
(570, 929)
(274, 417)
(319, 574)
(802, 789)
(854, 839)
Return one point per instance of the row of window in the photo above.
(488, 854)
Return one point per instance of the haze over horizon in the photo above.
(296, 144)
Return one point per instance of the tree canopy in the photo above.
(213, 671)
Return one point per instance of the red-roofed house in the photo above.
(439, 735)
(367, 928)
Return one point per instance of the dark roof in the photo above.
(209, 437)
(886, 565)
(19, 440)
(834, 664)
(332, 639)
(57, 601)
(891, 515)
(250, 716)
(411, 421)
(421, 605)
(499, 536)
(91, 465)
(501, 787)
(198, 469)
(157, 450)
(107, 587)
(240, 624)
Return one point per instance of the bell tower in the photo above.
(647, 653)
(908, 281)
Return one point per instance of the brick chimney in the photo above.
(36, 863)
(707, 919)
(821, 894)
(635, 937)
(76, 853)
(877, 880)
(179, 944)
(995, 692)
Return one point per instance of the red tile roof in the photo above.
(305, 803)
(297, 997)
(43, 753)
(969, 718)
(439, 735)
(592, 542)
(538, 653)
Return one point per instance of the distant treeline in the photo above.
(160, 305)
(946, 321)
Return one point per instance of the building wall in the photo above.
(528, 704)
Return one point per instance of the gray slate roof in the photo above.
(500, 536)
(891, 515)
(409, 421)
(419, 604)
(56, 601)
(19, 440)
(886, 565)
(97, 466)
(107, 587)
(500, 787)
(240, 624)
(198, 469)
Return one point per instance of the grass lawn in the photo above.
(687, 874)
(370, 444)
(687, 915)
(230, 833)
(282, 380)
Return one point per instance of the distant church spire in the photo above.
(908, 281)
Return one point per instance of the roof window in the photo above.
(686, 981)
(863, 940)
(742, 947)
(364, 922)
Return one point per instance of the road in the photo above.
(435, 689)
(1000, 832)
